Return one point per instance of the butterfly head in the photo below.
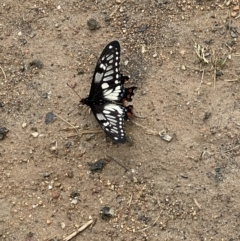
(86, 101)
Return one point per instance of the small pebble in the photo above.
(143, 49)
(63, 225)
(98, 165)
(74, 201)
(93, 24)
(106, 212)
(35, 134)
(236, 8)
(165, 136)
(36, 64)
(49, 117)
(55, 195)
(135, 179)
(3, 132)
(233, 14)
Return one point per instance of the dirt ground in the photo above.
(184, 57)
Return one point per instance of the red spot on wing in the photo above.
(129, 92)
(128, 112)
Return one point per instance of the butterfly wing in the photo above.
(107, 81)
(111, 119)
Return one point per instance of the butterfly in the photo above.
(108, 96)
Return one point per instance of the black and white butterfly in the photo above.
(107, 95)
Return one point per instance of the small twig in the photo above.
(130, 201)
(83, 132)
(215, 69)
(198, 205)
(214, 78)
(199, 70)
(237, 16)
(228, 47)
(70, 128)
(231, 80)
(3, 73)
(140, 117)
(93, 224)
(65, 121)
(232, 149)
(203, 71)
(137, 124)
(117, 8)
(191, 68)
(201, 81)
(148, 131)
(221, 6)
(112, 158)
(78, 231)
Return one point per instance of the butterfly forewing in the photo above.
(111, 118)
(107, 94)
(106, 82)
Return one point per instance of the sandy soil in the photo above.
(184, 57)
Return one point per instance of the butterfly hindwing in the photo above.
(111, 119)
(107, 81)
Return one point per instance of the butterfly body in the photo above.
(107, 95)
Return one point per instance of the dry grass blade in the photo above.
(198, 205)
(200, 51)
(78, 231)
(80, 132)
(3, 73)
(84, 132)
(237, 16)
(66, 121)
(231, 80)
(214, 64)
(148, 131)
(117, 8)
(151, 132)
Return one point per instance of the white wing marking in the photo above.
(107, 78)
(98, 77)
(109, 57)
(105, 85)
(100, 116)
(109, 72)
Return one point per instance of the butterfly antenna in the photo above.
(74, 90)
(72, 111)
(114, 159)
(76, 94)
